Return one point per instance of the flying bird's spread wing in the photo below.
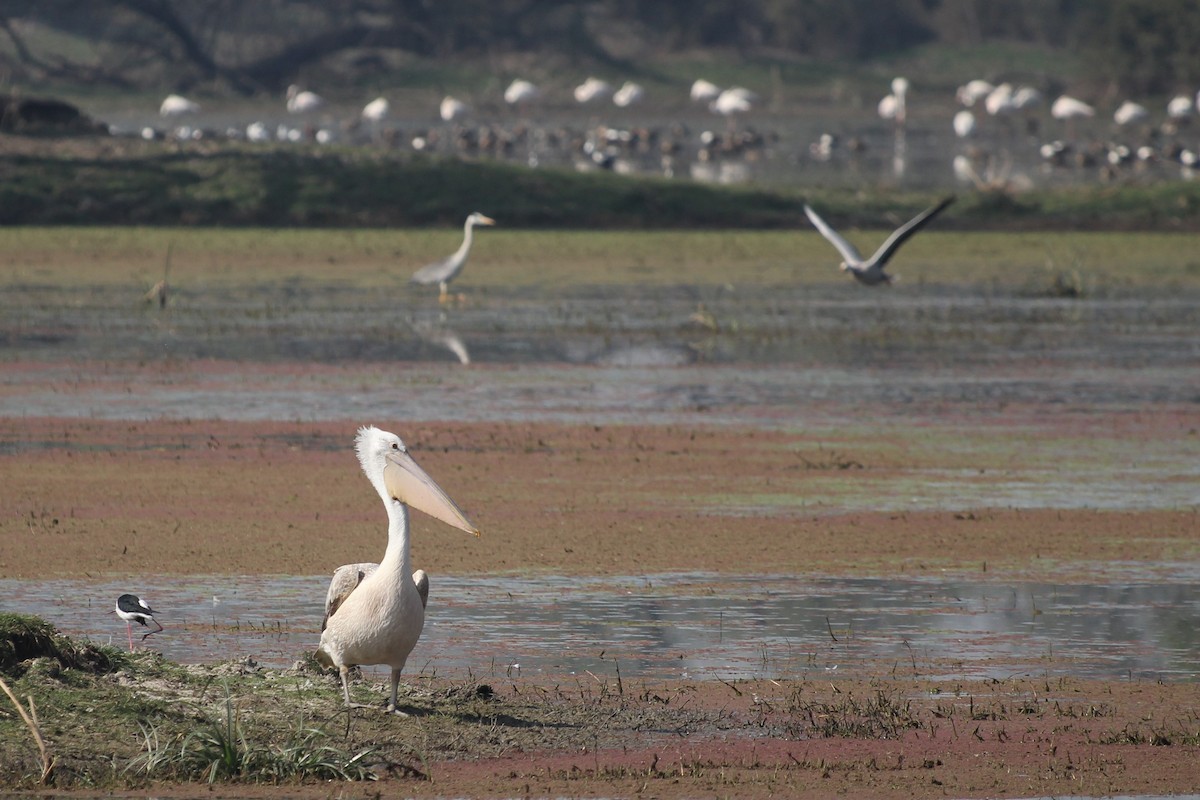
(848, 251)
(901, 234)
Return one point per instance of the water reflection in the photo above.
(684, 625)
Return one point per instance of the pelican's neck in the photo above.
(397, 556)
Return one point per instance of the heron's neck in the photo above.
(397, 554)
(468, 234)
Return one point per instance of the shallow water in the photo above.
(702, 626)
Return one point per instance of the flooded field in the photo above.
(797, 486)
(685, 626)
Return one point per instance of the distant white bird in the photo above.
(1067, 108)
(381, 618)
(446, 270)
(1129, 113)
(258, 132)
(629, 94)
(736, 100)
(1000, 100)
(889, 107)
(1026, 97)
(301, 101)
(895, 105)
(377, 110)
(964, 124)
(870, 271)
(132, 608)
(1180, 107)
(973, 91)
(704, 91)
(593, 89)
(452, 109)
(176, 105)
(520, 92)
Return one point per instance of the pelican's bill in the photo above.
(411, 485)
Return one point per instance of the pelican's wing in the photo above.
(346, 579)
(422, 582)
(848, 251)
(901, 234)
(435, 272)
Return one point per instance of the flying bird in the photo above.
(870, 271)
(132, 608)
(380, 618)
(446, 270)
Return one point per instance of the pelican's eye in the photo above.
(395, 446)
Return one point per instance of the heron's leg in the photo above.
(444, 293)
(129, 632)
(393, 707)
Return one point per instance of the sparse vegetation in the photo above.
(154, 721)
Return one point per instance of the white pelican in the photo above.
(132, 608)
(704, 91)
(964, 124)
(592, 89)
(346, 579)
(521, 91)
(1026, 97)
(452, 109)
(1180, 107)
(301, 101)
(629, 94)
(176, 105)
(1129, 113)
(972, 92)
(733, 101)
(380, 620)
(870, 271)
(1000, 100)
(257, 132)
(446, 270)
(1069, 108)
(377, 110)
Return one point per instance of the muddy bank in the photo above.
(89, 497)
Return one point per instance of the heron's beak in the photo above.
(486, 220)
(408, 483)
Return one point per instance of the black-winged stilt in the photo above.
(132, 608)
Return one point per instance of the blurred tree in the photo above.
(1151, 45)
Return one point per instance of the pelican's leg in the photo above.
(393, 706)
(345, 672)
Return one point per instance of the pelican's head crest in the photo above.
(371, 443)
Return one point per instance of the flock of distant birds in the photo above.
(994, 121)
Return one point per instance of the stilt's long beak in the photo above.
(408, 483)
